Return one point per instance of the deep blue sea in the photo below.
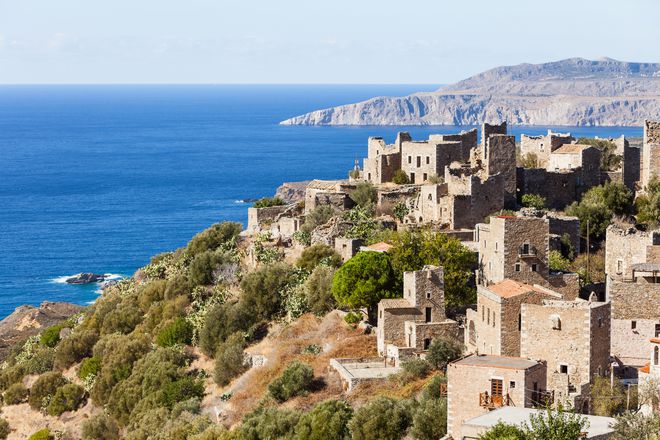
(100, 178)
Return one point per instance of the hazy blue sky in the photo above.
(291, 41)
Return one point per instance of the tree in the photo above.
(503, 431)
(598, 205)
(268, 423)
(176, 332)
(364, 195)
(219, 234)
(15, 394)
(442, 351)
(400, 178)
(636, 426)
(557, 262)
(607, 400)
(100, 427)
(648, 204)
(317, 254)
(294, 381)
(327, 420)
(69, 397)
(533, 201)
(262, 289)
(430, 419)
(363, 281)
(381, 419)
(266, 202)
(401, 210)
(594, 271)
(229, 359)
(42, 434)
(610, 161)
(556, 425)
(529, 160)
(412, 250)
(45, 387)
(318, 290)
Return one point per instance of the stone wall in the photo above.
(391, 325)
(625, 246)
(347, 247)
(422, 159)
(426, 288)
(260, 218)
(559, 188)
(632, 300)
(420, 332)
(500, 158)
(488, 130)
(542, 146)
(563, 224)
(630, 340)
(631, 167)
(650, 152)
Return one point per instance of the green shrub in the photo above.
(318, 290)
(414, 369)
(316, 254)
(178, 331)
(229, 359)
(15, 394)
(442, 351)
(212, 238)
(268, 423)
(557, 262)
(100, 427)
(185, 388)
(5, 429)
(327, 420)
(503, 431)
(262, 290)
(122, 319)
(433, 389)
(364, 194)
(44, 388)
(51, 336)
(43, 434)
(11, 375)
(533, 201)
(42, 360)
(430, 420)
(295, 380)
(353, 318)
(400, 177)
(89, 366)
(220, 322)
(69, 397)
(381, 419)
(267, 202)
(74, 348)
(317, 217)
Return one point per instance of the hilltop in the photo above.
(570, 92)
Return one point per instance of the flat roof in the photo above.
(492, 361)
(509, 288)
(378, 247)
(598, 426)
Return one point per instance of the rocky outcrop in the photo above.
(27, 321)
(569, 92)
(292, 192)
(86, 278)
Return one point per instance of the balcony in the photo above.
(527, 251)
(493, 401)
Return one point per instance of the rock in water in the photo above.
(85, 278)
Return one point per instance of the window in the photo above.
(430, 196)
(534, 267)
(519, 321)
(428, 295)
(496, 387)
(525, 248)
(488, 316)
(493, 318)
(600, 322)
(428, 314)
(633, 325)
(495, 246)
(377, 152)
(368, 176)
(619, 266)
(409, 159)
(428, 160)
(517, 267)
(381, 314)
(657, 330)
(412, 177)
(425, 177)
(427, 343)
(512, 384)
(483, 310)
(656, 353)
(419, 161)
(563, 369)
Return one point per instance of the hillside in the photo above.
(570, 92)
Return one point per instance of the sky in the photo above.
(295, 41)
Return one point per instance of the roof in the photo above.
(655, 340)
(509, 288)
(645, 369)
(395, 303)
(324, 184)
(492, 361)
(646, 267)
(598, 426)
(378, 247)
(571, 149)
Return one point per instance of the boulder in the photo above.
(85, 278)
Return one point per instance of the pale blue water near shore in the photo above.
(99, 178)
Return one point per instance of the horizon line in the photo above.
(223, 84)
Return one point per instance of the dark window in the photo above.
(425, 177)
(428, 314)
(427, 342)
(525, 249)
(428, 295)
(517, 267)
(512, 384)
(534, 267)
(519, 321)
(412, 177)
(657, 330)
(428, 160)
(655, 355)
(409, 159)
(633, 325)
(496, 387)
(600, 322)
(419, 161)
(563, 369)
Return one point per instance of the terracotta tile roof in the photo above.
(510, 288)
(379, 247)
(645, 369)
(571, 149)
(655, 340)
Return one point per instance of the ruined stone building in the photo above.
(583, 159)
(334, 193)
(517, 248)
(632, 267)
(542, 146)
(650, 162)
(494, 327)
(478, 384)
(406, 326)
(573, 338)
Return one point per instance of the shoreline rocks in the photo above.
(86, 278)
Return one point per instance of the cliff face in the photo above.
(568, 92)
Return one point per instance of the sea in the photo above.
(98, 178)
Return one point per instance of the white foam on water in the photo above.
(112, 276)
(62, 279)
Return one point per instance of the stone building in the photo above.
(573, 338)
(517, 248)
(543, 145)
(421, 160)
(406, 326)
(650, 162)
(383, 160)
(494, 327)
(347, 247)
(649, 379)
(632, 267)
(583, 159)
(478, 384)
(334, 193)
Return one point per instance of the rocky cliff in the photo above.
(569, 92)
